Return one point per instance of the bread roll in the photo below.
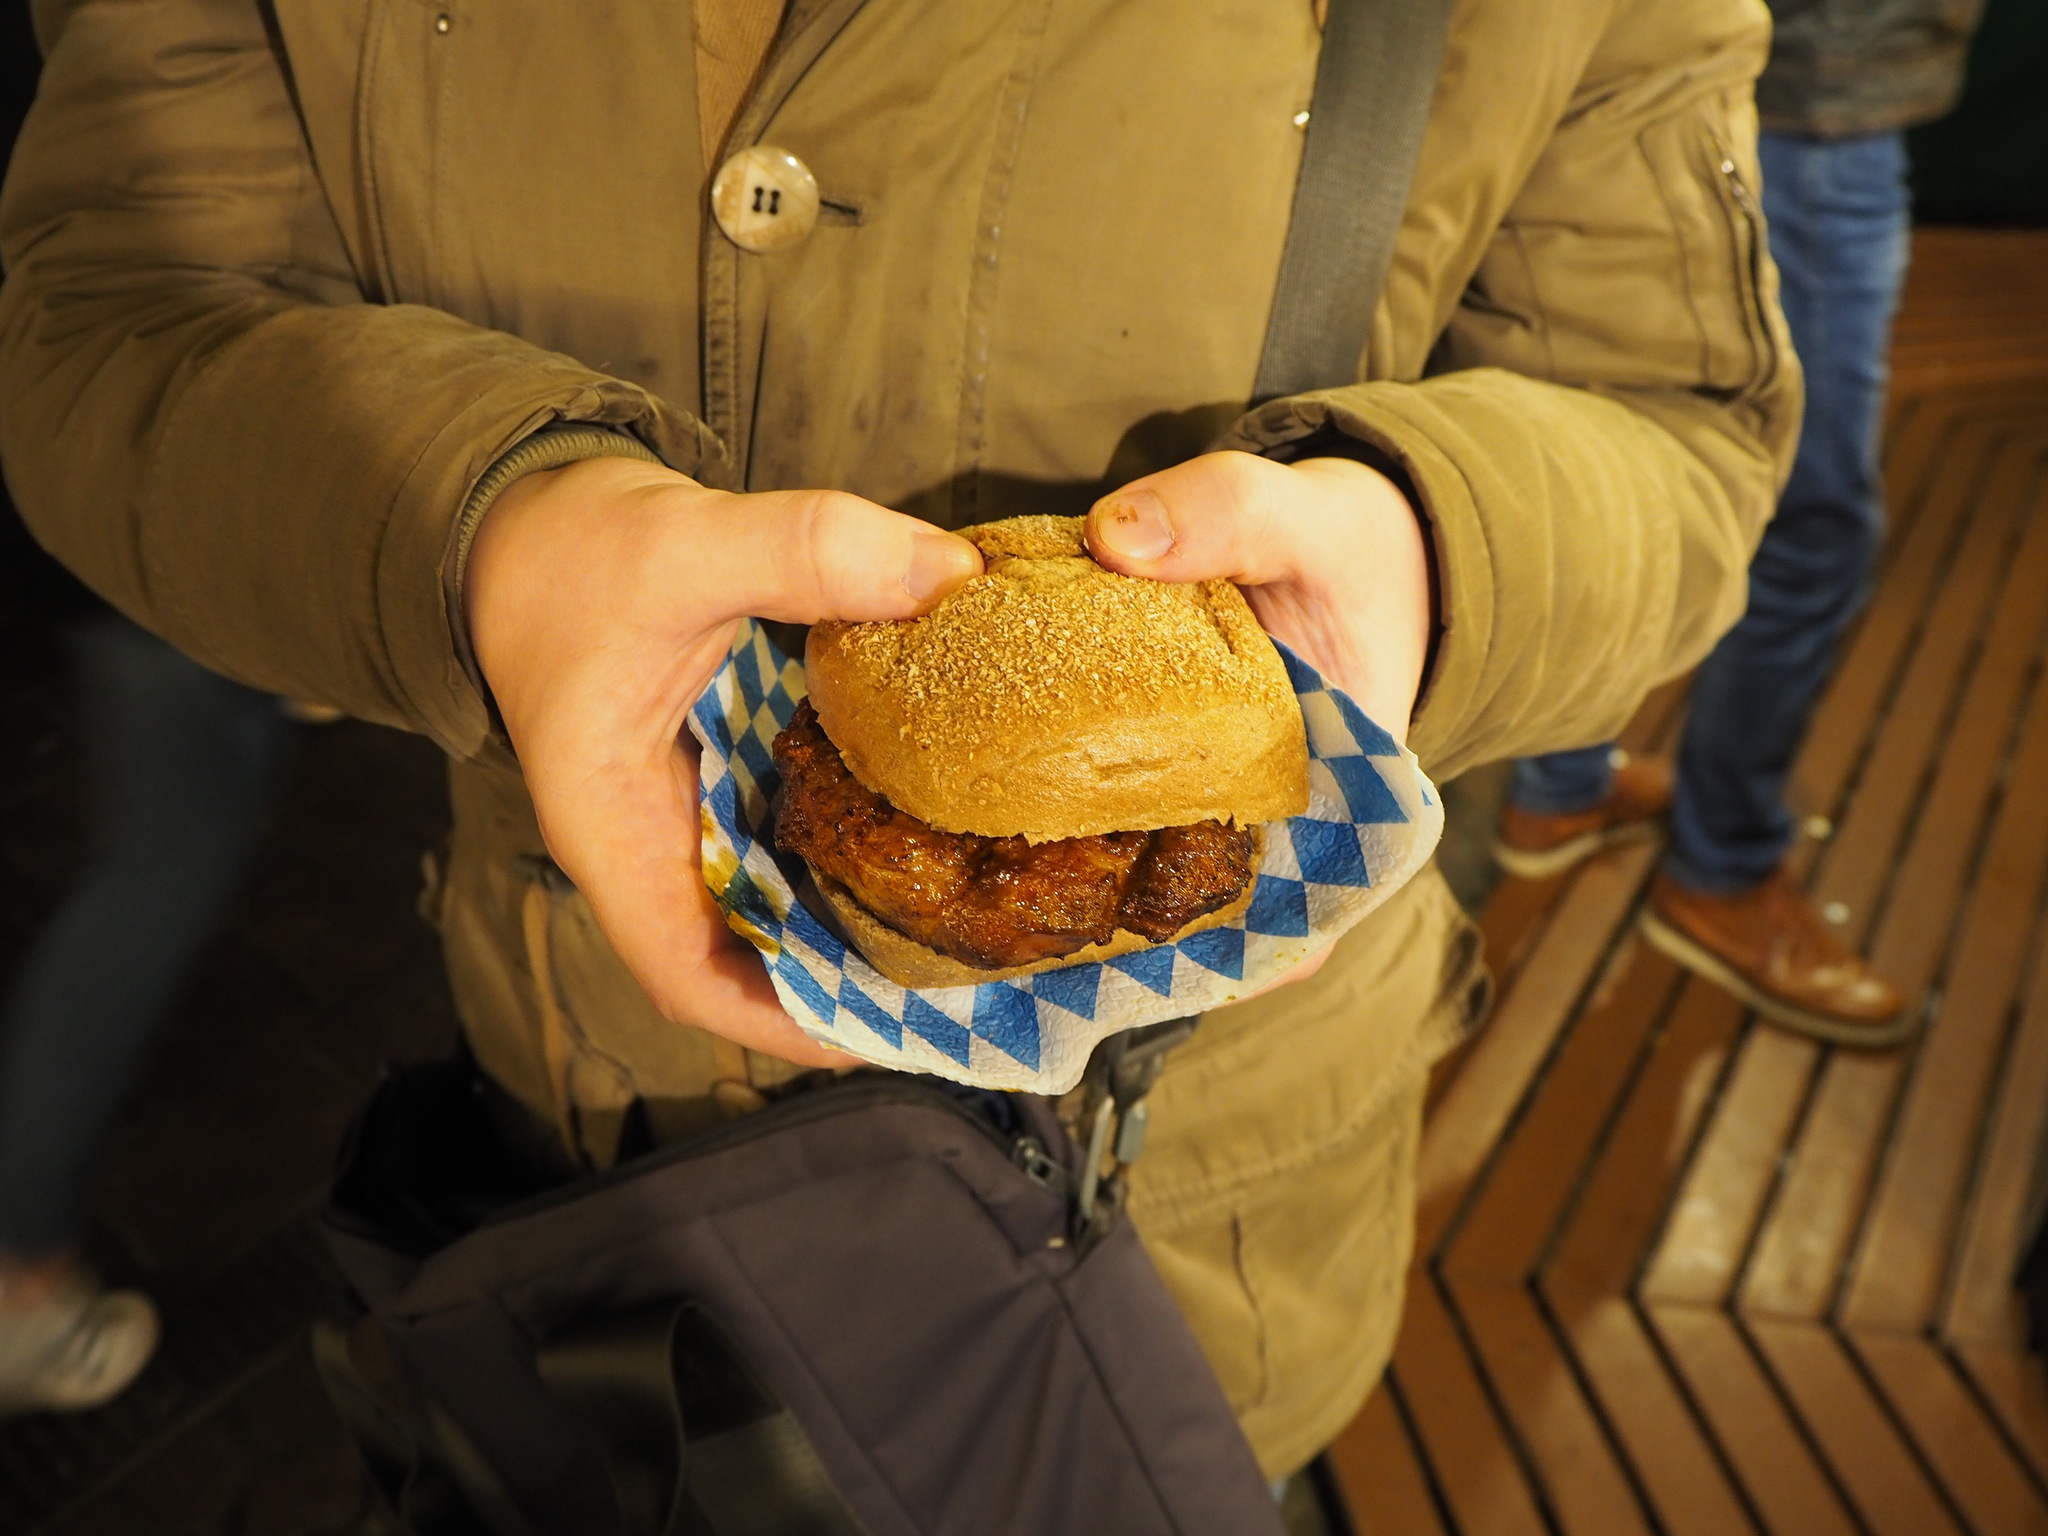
(1052, 698)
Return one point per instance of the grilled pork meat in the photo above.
(996, 901)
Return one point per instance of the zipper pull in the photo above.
(1736, 185)
(1039, 1166)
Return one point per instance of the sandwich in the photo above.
(1057, 764)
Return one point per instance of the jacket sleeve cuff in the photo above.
(1588, 546)
(1330, 442)
(551, 447)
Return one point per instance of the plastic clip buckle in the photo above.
(1122, 1072)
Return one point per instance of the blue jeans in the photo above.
(1839, 215)
(180, 764)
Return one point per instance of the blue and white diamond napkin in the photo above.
(1372, 821)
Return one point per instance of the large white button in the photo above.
(765, 199)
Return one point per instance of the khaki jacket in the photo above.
(286, 277)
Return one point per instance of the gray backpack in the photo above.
(882, 1305)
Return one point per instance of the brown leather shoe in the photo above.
(1771, 949)
(1534, 847)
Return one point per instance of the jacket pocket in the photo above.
(1706, 170)
(510, 935)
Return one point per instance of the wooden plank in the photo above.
(1996, 362)
(1970, 338)
(1731, 1180)
(2014, 1386)
(2010, 363)
(1379, 1474)
(1510, 1220)
(1581, 1474)
(1700, 1252)
(1807, 1232)
(1516, 916)
(1666, 1445)
(1655, 725)
(1464, 1442)
(1864, 677)
(1957, 278)
(1512, 923)
(1913, 454)
(1553, 1137)
(1911, 733)
(1629, 1187)
(1475, 1110)
(1982, 1307)
(1870, 1458)
(1904, 1255)
(1790, 1488)
(1901, 410)
(1517, 911)
(1983, 1479)
(2014, 603)
(1969, 294)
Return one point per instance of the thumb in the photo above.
(1211, 518)
(805, 556)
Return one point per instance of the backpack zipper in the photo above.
(1024, 1152)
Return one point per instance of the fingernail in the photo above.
(1134, 526)
(939, 562)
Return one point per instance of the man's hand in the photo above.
(1329, 555)
(1328, 552)
(601, 599)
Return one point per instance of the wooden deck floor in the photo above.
(1681, 1273)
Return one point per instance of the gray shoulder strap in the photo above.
(1373, 87)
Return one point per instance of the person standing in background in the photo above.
(1845, 79)
(180, 768)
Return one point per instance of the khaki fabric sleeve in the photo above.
(198, 411)
(552, 447)
(1611, 407)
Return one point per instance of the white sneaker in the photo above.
(77, 1349)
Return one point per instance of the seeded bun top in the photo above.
(1052, 698)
